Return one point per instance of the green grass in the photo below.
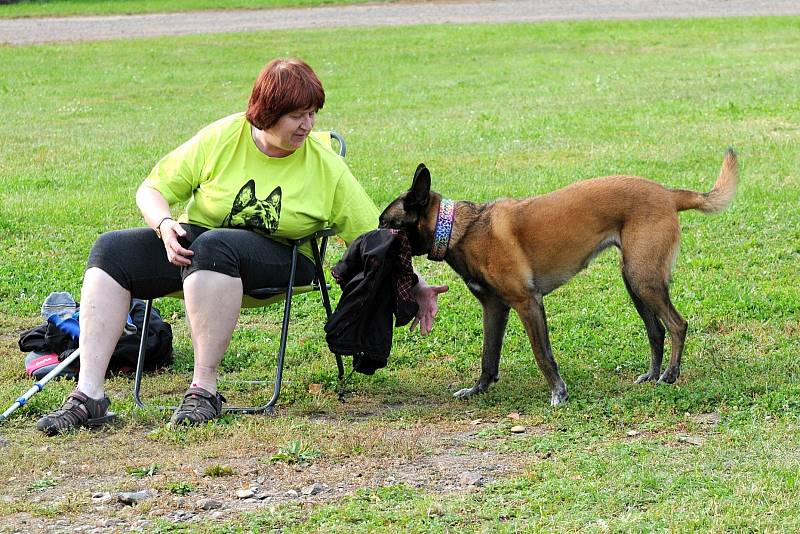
(509, 110)
(58, 8)
(736, 483)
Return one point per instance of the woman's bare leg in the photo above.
(104, 309)
(213, 301)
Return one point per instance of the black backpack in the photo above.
(48, 339)
(158, 350)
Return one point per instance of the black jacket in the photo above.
(376, 277)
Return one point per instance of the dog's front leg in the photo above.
(533, 317)
(495, 319)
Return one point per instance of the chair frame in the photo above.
(319, 243)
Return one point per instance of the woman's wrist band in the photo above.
(158, 226)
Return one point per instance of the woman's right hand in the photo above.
(171, 230)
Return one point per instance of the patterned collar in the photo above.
(444, 227)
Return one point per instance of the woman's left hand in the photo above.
(426, 297)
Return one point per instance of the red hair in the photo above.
(283, 86)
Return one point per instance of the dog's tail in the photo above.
(718, 198)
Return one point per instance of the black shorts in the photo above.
(136, 259)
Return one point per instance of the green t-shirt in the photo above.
(229, 183)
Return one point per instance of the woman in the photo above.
(249, 181)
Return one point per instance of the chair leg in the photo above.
(323, 289)
(326, 302)
(287, 308)
(339, 363)
(137, 383)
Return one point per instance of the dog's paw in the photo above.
(669, 376)
(558, 396)
(465, 393)
(647, 377)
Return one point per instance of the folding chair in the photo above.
(262, 297)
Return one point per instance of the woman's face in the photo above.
(291, 130)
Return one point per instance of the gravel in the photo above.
(26, 31)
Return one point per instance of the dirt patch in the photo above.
(73, 494)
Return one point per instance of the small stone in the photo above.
(708, 418)
(133, 497)
(219, 514)
(513, 415)
(517, 429)
(208, 504)
(470, 478)
(102, 497)
(476, 422)
(292, 494)
(244, 493)
(314, 489)
(632, 433)
(183, 515)
(691, 440)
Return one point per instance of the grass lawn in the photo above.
(508, 110)
(57, 8)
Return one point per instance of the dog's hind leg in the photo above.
(647, 262)
(655, 334)
(495, 319)
(677, 327)
(531, 312)
(657, 298)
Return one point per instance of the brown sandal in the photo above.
(198, 406)
(78, 410)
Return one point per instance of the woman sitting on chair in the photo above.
(249, 181)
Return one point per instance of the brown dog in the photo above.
(511, 253)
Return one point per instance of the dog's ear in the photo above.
(245, 196)
(420, 190)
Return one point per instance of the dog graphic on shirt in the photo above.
(253, 214)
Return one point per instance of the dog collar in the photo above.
(444, 227)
